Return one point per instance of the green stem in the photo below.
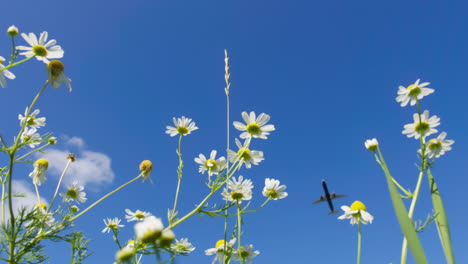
(14, 64)
(105, 196)
(239, 223)
(58, 184)
(13, 50)
(228, 127)
(32, 151)
(179, 175)
(359, 243)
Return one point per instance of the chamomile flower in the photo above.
(218, 250)
(74, 193)
(125, 254)
(274, 190)
(30, 137)
(42, 49)
(436, 147)
(212, 165)
(136, 216)
(424, 127)
(148, 230)
(183, 126)
(56, 76)
(254, 126)
(4, 73)
(146, 167)
(247, 156)
(111, 224)
(371, 144)
(238, 190)
(39, 173)
(245, 253)
(12, 31)
(32, 120)
(412, 93)
(182, 247)
(357, 213)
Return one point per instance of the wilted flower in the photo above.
(238, 190)
(136, 216)
(212, 165)
(254, 127)
(32, 120)
(371, 144)
(146, 167)
(219, 250)
(56, 76)
(111, 224)
(274, 190)
(437, 147)
(247, 156)
(245, 253)
(42, 49)
(357, 213)
(413, 93)
(424, 127)
(182, 246)
(39, 173)
(4, 73)
(12, 31)
(75, 193)
(149, 229)
(183, 126)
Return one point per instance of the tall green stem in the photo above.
(359, 243)
(70, 160)
(179, 177)
(228, 127)
(239, 224)
(14, 64)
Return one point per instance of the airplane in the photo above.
(328, 197)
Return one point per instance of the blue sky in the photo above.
(327, 73)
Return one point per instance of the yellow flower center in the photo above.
(72, 193)
(31, 121)
(55, 68)
(357, 205)
(211, 165)
(219, 243)
(421, 127)
(146, 166)
(414, 90)
(182, 130)
(244, 153)
(434, 144)
(372, 147)
(253, 128)
(26, 138)
(41, 205)
(272, 194)
(42, 163)
(39, 50)
(243, 254)
(139, 215)
(237, 196)
(112, 226)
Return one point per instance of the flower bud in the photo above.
(125, 254)
(74, 209)
(166, 239)
(146, 167)
(371, 144)
(12, 31)
(52, 140)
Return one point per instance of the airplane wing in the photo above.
(334, 195)
(322, 198)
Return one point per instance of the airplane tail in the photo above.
(332, 212)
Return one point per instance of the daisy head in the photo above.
(274, 190)
(212, 165)
(182, 247)
(40, 48)
(238, 190)
(245, 253)
(4, 73)
(146, 167)
(136, 216)
(56, 76)
(219, 248)
(437, 147)
(422, 127)
(32, 120)
(112, 224)
(30, 137)
(254, 126)
(39, 173)
(183, 126)
(148, 230)
(357, 213)
(413, 93)
(12, 31)
(371, 144)
(245, 155)
(74, 193)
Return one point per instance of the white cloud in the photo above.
(90, 169)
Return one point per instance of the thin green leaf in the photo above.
(441, 219)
